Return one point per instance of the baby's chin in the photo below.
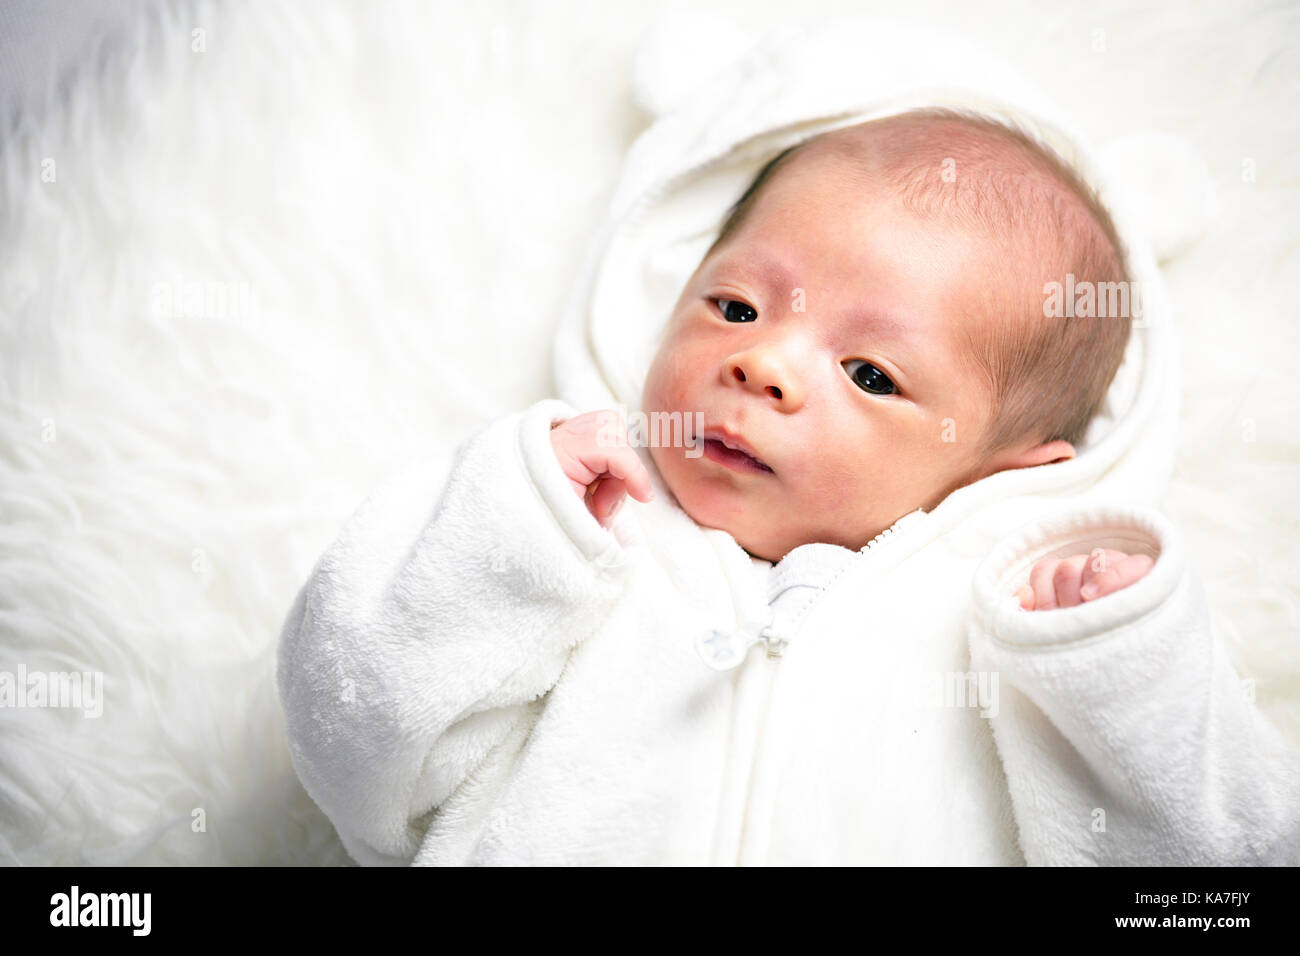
(713, 508)
(758, 542)
(756, 546)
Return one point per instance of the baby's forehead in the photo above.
(1007, 201)
(987, 192)
(973, 171)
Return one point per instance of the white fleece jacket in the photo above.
(477, 672)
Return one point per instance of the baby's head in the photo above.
(870, 324)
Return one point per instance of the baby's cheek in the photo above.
(664, 466)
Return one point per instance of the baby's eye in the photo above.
(870, 379)
(736, 311)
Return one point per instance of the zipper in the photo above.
(727, 650)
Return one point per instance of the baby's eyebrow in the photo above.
(757, 264)
(890, 326)
(764, 268)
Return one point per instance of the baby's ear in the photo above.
(1051, 453)
(1048, 453)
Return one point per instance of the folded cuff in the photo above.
(1076, 531)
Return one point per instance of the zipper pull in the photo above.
(775, 642)
(724, 650)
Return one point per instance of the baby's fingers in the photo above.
(623, 463)
(604, 498)
(1067, 580)
(1116, 575)
(1055, 582)
(1099, 561)
(1026, 597)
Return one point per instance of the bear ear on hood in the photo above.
(679, 53)
(1166, 184)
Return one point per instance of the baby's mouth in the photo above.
(730, 450)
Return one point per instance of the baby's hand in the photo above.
(1065, 582)
(601, 466)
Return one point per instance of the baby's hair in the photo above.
(1047, 377)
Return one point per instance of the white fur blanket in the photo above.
(261, 254)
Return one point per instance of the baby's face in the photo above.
(827, 334)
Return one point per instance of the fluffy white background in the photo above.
(394, 198)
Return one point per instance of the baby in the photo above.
(859, 307)
(489, 666)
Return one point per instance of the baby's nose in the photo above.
(774, 367)
(739, 373)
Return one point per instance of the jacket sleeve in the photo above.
(1126, 736)
(447, 606)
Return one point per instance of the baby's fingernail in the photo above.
(1088, 591)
